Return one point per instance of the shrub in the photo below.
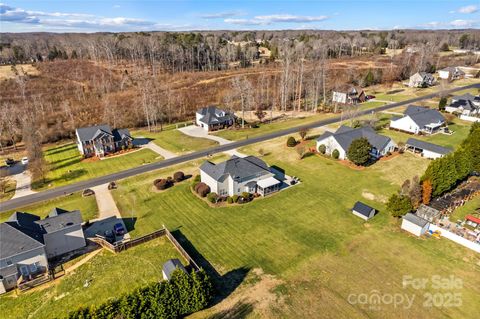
(235, 198)
(322, 149)
(212, 197)
(163, 184)
(246, 196)
(303, 133)
(335, 154)
(202, 189)
(442, 104)
(291, 141)
(196, 186)
(178, 176)
(229, 200)
(155, 182)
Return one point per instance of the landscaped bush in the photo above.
(164, 184)
(229, 200)
(335, 154)
(322, 149)
(246, 196)
(155, 182)
(182, 295)
(235, 198)
(202, 189)
(212, 197)
(178, 176)
(291, 141)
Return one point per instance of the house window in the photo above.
(33, 268)
(9, 262)
(24, 270)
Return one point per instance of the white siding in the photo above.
(389, 148)
(405, 124)
(331, 144)
(444, 74)
(207, 179)
(363, 216)
(79, 143)
(430, 154)
(413, 228)
(64, 241)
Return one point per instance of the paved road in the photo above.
(61, 191)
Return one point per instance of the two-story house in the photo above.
(101, 140)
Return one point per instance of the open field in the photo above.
(7, 71)
(104, 277)
(86, 205)
(307, 239)
(175, 141)
(67, 166)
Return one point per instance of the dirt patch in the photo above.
(9, 72)
(373, 197)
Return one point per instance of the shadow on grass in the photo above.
(67, 163)
(224, 285)
(72, 175)
(130, 223)
(60, 149)
(239, 310)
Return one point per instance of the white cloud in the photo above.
(245, 22)
(455, 24)
(463, 23)
(276, 18)
(220, 15)
(468, 9)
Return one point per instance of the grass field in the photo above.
(86, 205)
(177, 142)
(469, 208)
(66, 165)
(308, 240)
(107, 276)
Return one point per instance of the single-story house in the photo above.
(239, 174)
(28, 242)
(170, 266)
(363, 211)
(426, 149)
(472, 221)
(349, 95)
(421, 79)
(344, 136)
(414, 224)
(451, 73)
(428, 213)
(418, 119)
(466, 104)
(101, 140)
(211, 118)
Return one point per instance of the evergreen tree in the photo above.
(359, 151)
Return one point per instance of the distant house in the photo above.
(344, 136)
(100, 140)
(239, 174)
(466, 104)
(170, 266)
(349, 95)
(472, 221)
(212, 118)
(418, 120)
(27, 242)
(451, 73)
(363, 211)
(428, 213)
(427, 150)
(414, 224)
(421, 79)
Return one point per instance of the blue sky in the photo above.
(120, 15)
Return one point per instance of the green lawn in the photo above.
(107, 276)
(9, 190)
(468, 209)
(177, 142)
(66, 165)
(307, 238)
(86, 205)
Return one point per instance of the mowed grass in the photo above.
(86, 205)
(66, 165)
(175, 141)
(470, 207)
(307, 237)
(103, 277)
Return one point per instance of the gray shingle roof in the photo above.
(213, 115)
(466, 97)
(363, 209)
(346, 135)
(415, 219)
(236, 167)
(428, 146)
(65, 219)
(14, 241)
(27, 224)
(91, 132)
(423, 116)
(171, 265)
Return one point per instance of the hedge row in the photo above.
(164, 183)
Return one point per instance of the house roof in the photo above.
(120, 134)
(92, 132)
(171, 265)
(466, 97)
(363, 209)
(428, 146)
(346, 135)
(236, 167)
(427, 212)
(415, 219)
(423, 116)
(423, 75)
(453, 69)
(64, 219)
(213, 115)
(464, 104)
(27, 224)
(14, 242)
(473, 219)
(268, 182)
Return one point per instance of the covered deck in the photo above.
(268, 186)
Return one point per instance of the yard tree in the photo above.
(359, 151)
(301, 151)
(442, 103)
(399, 205)
(445, 47)
(426, 191)
(415, 191)
(291, 141)
(260, 114)
(303, 133)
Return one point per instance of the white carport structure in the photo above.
(268, 185)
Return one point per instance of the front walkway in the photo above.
(23, 178)
(196, 131)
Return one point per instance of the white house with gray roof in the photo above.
(418, 120)
(466, 105)
(101, 140)
(426, 149)
(415, 224)
(211, 118)
(451, 73)
(27, 242)
(344, 136)
(421, 79)
(239, 174)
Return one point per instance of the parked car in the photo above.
(109, 236)
(9, 161)
(118, 229)
(24, 160)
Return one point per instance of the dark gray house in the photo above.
(212, 118)
(101, 140)
(170, 266)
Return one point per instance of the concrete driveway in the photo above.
(196, 131)
(22, 176)
(147, 143)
